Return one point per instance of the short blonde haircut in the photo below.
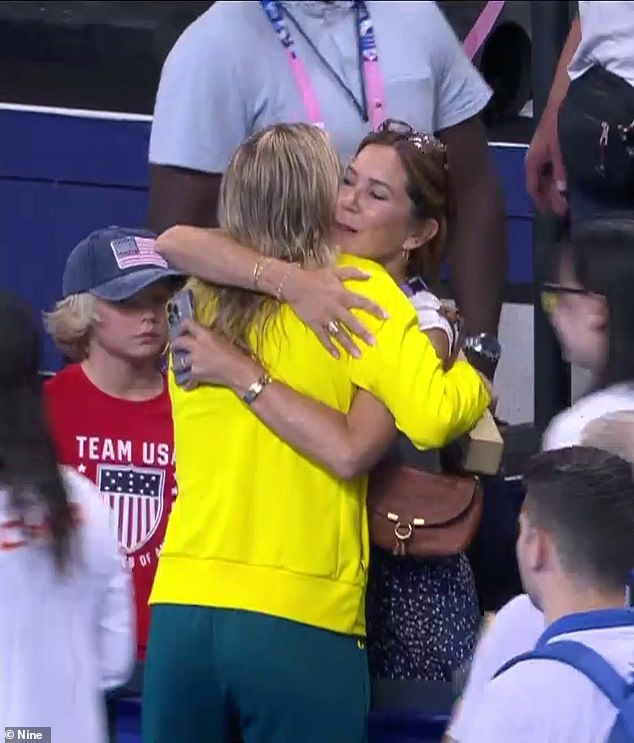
(69, 324)
(613, 433)
(278, 197)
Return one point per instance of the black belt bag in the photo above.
(596, 132)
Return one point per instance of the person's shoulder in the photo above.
(521, 611)
(566, 429)
(379, 285)
(612, 399)
(231, 11)
(515, 628)
(525, 703)
(64, 382)
(225, 22)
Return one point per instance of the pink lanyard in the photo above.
(482, 27)
(367, 50)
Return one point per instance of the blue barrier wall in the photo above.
(63, 174)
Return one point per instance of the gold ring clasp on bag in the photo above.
(403, 531)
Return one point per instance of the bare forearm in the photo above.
(213, 256)
(345, 445)
(181, 196)
(478, 253)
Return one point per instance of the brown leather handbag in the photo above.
(422, 514)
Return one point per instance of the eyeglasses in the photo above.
(550, 293)
(420, 140)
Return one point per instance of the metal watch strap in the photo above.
(251, 395)
(485, 345)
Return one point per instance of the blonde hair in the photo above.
(278, 197)
(613, 433)
(69, 324)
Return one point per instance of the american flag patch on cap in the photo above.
(130, 252)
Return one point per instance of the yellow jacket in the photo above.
(258, 527)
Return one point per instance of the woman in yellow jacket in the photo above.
(259, 596)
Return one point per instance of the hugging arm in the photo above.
(350, 445)
(317, 296)
(347, 445)
(430, 406)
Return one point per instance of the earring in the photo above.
(405, 253)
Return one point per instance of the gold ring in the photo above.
(333, 327)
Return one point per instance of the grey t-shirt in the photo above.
(228, 76)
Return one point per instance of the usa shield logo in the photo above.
(136, 498)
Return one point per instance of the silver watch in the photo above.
(485, 345)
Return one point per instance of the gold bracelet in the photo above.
(252, 394)
(259, 267)
(287, 273)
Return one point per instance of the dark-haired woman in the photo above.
(66, 608)
(591, 306)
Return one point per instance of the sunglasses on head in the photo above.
(550, 293)
(418, 139)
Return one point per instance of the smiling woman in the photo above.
(392, 204)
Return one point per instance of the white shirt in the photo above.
(607, 39)
(545, 701)
(228, 76)
(514, 630)
(566, 429)
(64, 639)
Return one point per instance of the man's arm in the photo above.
(477, 244)
(201, 115)
(477, 226)
(182, 196)
(545, 172)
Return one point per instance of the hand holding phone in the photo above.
(180, 308)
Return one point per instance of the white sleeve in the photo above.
(200, 113)
(535, 701)
(562, 431)
(460, 89)
(515, 630)
(567, 428)
(117, 641)
(503, 715)
(114, 600)
(427, 307)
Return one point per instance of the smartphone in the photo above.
(179, 308)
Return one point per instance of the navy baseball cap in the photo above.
(114, 264)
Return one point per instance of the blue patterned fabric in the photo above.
(422, 616)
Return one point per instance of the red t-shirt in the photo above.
(127, 449)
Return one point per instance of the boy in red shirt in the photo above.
(110, 411)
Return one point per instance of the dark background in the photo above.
(108, 55)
